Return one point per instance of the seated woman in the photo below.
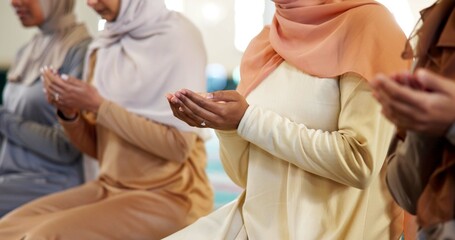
(421, 103)
(152, 178)
(36, 158)
(308, 142)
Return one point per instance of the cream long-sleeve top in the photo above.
(309, 153)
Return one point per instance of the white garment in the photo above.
(310, 154)
(146, 52)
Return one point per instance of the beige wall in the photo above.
(218, 38)
(13, 35)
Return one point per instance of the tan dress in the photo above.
(152, 183)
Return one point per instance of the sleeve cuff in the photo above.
(243, 128)
(103, 111)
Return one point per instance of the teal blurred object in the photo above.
(2, 83)
(225, 190)
(216, 77)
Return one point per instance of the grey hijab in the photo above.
(57, 35)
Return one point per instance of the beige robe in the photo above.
(309, 153)
(152, 183)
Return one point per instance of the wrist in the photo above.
(96, 106)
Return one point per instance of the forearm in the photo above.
(234, 153)
(336, 155)
(82, 134)
(161, 140)
(47, 141)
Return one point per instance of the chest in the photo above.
(300, 97)
(29, 102)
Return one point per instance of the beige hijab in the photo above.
(146, 52)
(58, 34)
(325, 38)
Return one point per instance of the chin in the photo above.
(27, 24)
(108, 18)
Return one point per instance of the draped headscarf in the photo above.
(146, 52)
(58, 34)
(325, 38)
(436, 51)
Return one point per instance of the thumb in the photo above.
(432, 81)
(225, 95)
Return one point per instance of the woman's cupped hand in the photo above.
(222, 110)
(69, 94)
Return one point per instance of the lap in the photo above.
(84, 194)
(224, 223)
(128, 215)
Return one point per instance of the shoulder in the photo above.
(373, 15)
(184, 27)
(78, 51)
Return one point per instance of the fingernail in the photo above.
(180, 109)
(65, 77)
(209, 95)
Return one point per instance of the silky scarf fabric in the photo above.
(325, 39)
(436, 52)
(58, 34)
(146, 52)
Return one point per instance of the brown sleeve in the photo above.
(410, 165)
(161, 140)
(82, 133)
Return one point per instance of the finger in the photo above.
(192, 118)
(54, 82)
(169, 96)
(206, 103)
(72, 81)
(397, 108)
(174, 102)
(225, 95)
(399, 94)
(377, 82)
(433, 81)
(197, 104)
(183, 113)
(403, 78)
(174, 107)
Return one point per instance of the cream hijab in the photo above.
(58, 34)
(146, 52)
(325, 38)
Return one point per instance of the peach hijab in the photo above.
(325, 38)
